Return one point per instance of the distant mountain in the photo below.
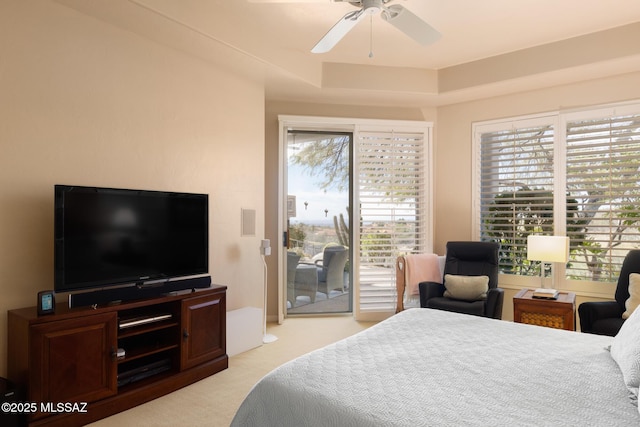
(328, 222)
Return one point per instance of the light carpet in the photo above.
(214, 401)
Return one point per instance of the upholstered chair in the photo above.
(470, 282)
(605, 317)
(331, 269)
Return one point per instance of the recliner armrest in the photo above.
(429, 290)
(595, 310)
(495, 299)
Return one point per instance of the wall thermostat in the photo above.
(46, 302)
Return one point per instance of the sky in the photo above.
(305, 188)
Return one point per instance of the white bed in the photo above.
(430, 367)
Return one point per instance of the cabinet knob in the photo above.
(185, 334)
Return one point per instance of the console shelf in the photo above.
(141, 330)
(71, 356)
(144, 352)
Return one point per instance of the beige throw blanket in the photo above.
(420, 268)
(410, 271)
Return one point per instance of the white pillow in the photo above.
(468, 288)
(625, 350)
(634, 295)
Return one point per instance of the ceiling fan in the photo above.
(397, 15)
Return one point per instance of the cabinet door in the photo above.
(72, 360)
(203, 329)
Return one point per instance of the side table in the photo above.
(557, 313)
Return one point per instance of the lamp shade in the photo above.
(548, 248)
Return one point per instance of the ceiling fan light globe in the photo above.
(370, 7)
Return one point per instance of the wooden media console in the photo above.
(111, 358)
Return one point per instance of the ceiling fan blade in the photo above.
(410, 24)
(338, 31)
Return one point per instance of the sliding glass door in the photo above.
(355, 194)
(318, 229)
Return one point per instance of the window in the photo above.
(516, 188)
(578, 178)
(603, 175)
(393, 208)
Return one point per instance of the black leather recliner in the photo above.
(605, 317)
(467, 259)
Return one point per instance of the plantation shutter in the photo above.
(516, 181)
(393, 210)
(603, 178)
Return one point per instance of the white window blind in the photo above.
(603, 178)
(515, 194)
(393, 210)
(594, 169)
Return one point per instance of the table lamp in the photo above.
(547, 249)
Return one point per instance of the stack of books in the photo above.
(545, 293)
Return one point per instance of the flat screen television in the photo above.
(106, 237)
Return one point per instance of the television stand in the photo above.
(72, 356)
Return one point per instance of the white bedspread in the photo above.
(425, 367)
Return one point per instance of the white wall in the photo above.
(85, 103)
(453, 157)
(453, 210)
